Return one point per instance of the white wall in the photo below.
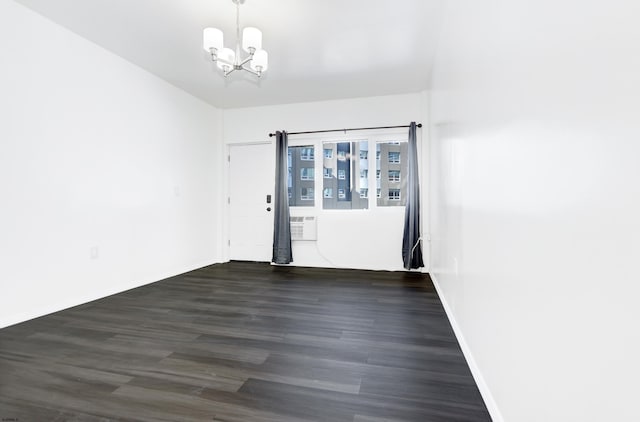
(96, 153)
(536, 202)
(363, 247)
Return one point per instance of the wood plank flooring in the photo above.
(244, 342)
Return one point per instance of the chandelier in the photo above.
(229, 60)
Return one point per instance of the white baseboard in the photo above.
(489, 401)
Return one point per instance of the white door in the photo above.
(251, 188)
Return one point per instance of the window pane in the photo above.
(306, 173)
(347, 164)
(391, 171)
(307, 194)
(306, 153)
(301, 176)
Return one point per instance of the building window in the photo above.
(378, 172)
(341, 194)
(307, 194)
(341, 174)
(394, 157)
(307, 154)
(342, 155)
(377, 155)
(364, 173)
(364, 154)
(306, 173)
(364, 193)
(394, 175)
(327, 193)
(327, 172)
(328, 153)
(394, 194)
(378, 194)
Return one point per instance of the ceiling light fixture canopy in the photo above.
(229, 60)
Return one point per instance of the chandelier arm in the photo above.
(230, 71)
(247, 60)
(248, 69)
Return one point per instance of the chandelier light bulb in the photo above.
(226, 59)
(260, 61)
(251, 39)
(212, 38)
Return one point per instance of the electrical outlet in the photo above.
(94, 252)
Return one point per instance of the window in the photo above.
(307, 154)
(347, 180)
(350, 175)
(390, 181)
(307, 194)
(306, 173)
(300, 161)
(394, 194)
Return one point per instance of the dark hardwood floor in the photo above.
(244, 342)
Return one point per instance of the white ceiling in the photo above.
(318, 49)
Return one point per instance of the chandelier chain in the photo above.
(237, 30)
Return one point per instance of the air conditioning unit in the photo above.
(304, 228)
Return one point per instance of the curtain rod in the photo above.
(345, 130)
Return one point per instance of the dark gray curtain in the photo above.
(411, 247)
(281, 226)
